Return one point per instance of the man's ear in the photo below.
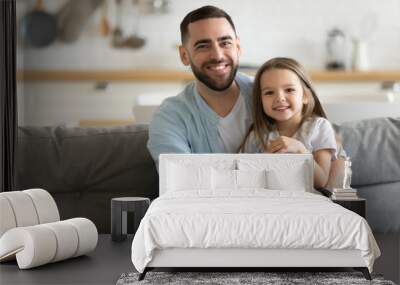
(184, 55)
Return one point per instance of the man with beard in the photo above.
(212, 113)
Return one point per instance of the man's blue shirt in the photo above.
(186, 124)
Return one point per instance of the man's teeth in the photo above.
(218, 67)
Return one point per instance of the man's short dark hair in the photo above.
(202, 13)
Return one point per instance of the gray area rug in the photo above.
(269, 278)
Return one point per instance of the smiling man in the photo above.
(212, 113)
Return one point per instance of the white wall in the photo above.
(267, 28)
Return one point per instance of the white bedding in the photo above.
(252, 218)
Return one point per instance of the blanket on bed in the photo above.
(252, 218)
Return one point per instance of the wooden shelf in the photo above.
(105, 122)
(384, 75)
(105, 75)
(177, 75)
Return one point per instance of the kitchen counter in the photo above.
(182, 75)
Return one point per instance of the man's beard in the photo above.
(209, 82)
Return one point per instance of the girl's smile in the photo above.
(281, 108)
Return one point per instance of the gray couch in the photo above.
(374, 148)
(83, 168)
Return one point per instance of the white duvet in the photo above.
(252, 218)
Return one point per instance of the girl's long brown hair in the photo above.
(262, 123)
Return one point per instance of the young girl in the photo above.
(288, 117)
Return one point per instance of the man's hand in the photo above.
(285, 145)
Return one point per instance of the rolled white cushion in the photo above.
(87, 233)
(67, 239)
(23, 208)
(40, 244)
(7, 218)
(33, 246)
(45, 205)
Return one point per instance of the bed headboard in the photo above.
(238, 161)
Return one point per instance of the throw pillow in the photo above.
(293, 180)
(182, 177)
(223, 179)
(251, 179)
(283, 172)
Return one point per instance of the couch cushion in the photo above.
(374, 148)
(60, 159)
(383, 206)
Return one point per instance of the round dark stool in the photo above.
(119, 208)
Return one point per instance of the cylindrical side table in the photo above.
(119, 208)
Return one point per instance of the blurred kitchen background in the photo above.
(111, 62)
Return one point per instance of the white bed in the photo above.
(229, 210)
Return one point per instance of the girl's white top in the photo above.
(315, 133)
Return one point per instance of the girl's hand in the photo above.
(286, 145)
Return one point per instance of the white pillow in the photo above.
(281, 174)
(227, 179)
(251, 178)
(293, 180)
(223, 179)
(183, 177)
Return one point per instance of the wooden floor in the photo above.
(111, 259)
